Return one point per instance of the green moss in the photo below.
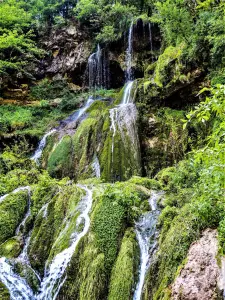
(12, 211)
(169, 55)
(11, 248)
(123, 277)
(4, 293)
(107, 225)
(60, 163)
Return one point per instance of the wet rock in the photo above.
(200, 276)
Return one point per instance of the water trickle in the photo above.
(129, 54)
(54, 280)
(96, 167)
(147, 235)
(37, 155)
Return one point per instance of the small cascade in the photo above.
(98, 69)
(53, 279)
(80, 113)
(150, 39)
(124, 117)
(96, 167)
(63, 128)
(37, 155)
(19, 289)
(127, 95)
(129, 54)
(147, 235)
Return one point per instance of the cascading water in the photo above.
(127, 95)
(98, 70)
(17, 286)
(147, 235)
(124, 116)
(53, 281)
(37, 155)
(75, 117)
(19, 289)
(129, 54)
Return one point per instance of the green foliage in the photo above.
(110, 20)
(32, 120)
(197, 199)
(17, 46)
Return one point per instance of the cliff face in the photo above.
(200, 276)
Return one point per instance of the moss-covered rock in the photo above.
(124, 272)
(12, 211)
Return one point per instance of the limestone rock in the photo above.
(200, 276)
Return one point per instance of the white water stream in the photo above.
(147, 235)
(53, 280)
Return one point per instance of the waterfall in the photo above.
(129, 54)
(98, 70)
(150, 39)
(37, 155)
(75, 117)
(53, 281)
(96, 167)
(147, 235)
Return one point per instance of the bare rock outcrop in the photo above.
(200, 277)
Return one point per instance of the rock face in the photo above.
(199, 278)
